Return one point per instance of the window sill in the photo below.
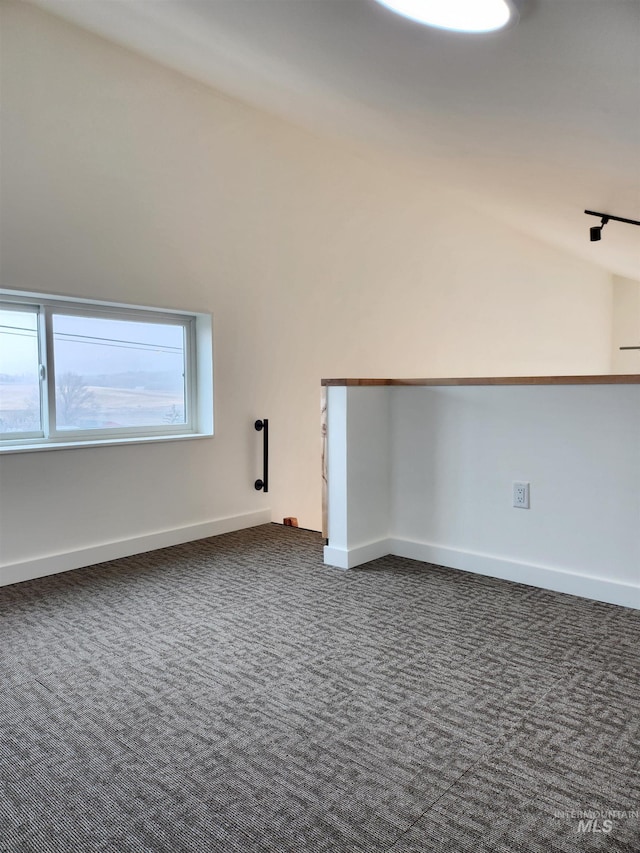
(105, 442)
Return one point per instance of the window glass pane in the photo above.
(19, 372)
(118, 373)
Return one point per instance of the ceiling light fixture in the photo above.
(595, 232)
(466, 16)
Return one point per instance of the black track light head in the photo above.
(595, 232)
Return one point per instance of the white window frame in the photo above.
(198, 374)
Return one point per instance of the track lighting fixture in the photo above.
(595, 232)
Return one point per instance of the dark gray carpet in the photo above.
(234, 694)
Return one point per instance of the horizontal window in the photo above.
(78, 372)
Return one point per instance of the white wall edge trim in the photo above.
(55, 563)
(342, 558)
(543, 577)
(557, 580)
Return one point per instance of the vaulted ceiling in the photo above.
(534, 124)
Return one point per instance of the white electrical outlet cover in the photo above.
(521, 495)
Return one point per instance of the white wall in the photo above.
(454, 454)
(626, 325)
(125, 181)
(359, 473)
(457, 451)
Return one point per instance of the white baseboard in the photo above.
(54, 563)
(598, 589)
(341, 558)
(558, 580)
